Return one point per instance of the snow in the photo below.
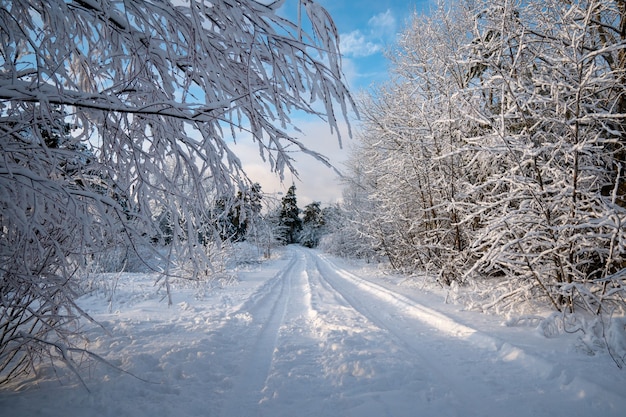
(307, 334)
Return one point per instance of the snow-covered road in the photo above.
(310, 335)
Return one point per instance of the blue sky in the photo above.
(366, 29)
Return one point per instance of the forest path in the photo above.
(362, 349)
(307, 334)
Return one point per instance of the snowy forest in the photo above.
(494, 158)
(497, 153)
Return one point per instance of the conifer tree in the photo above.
(312, 223)
(290, 223)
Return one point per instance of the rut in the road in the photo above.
(366, 350)
(267, 308)
(350, 342)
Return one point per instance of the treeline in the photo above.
(498, 152)
(249, 215)
(267, 221)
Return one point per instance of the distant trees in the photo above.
(498, 150)
(290, 223)
(114, 123)
(286, 223)
(312, 224)
(238, 215)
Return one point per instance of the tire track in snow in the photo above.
(266, 309)
(548, 379)
(361, 349)
(297, 383)
(410, 308)
(435, 385)
(435, 340)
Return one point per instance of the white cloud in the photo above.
(383, 23)
(380, 28)
(356, 44)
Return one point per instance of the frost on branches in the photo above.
(113, 112)
(497, 153)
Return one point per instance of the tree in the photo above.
(267, 233)
(497, 151)
(312, 224)
(406, 187)
(290, 223)
(236, 216)
(553, 124)
(246, 211)
(155, 92)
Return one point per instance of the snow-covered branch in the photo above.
(118, 118)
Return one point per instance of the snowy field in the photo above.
(310, 335)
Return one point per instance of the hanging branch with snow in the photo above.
(112, 112)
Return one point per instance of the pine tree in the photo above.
(312, 224)
(290, 223)
(236, 216)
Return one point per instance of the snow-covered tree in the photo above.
(290, 223)
(247, 211)
(266, 233)
(236, 216)
(156, 91)
(352, 231)
(312, 224)
(409, 164)
(498, 149)
(553, 213)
